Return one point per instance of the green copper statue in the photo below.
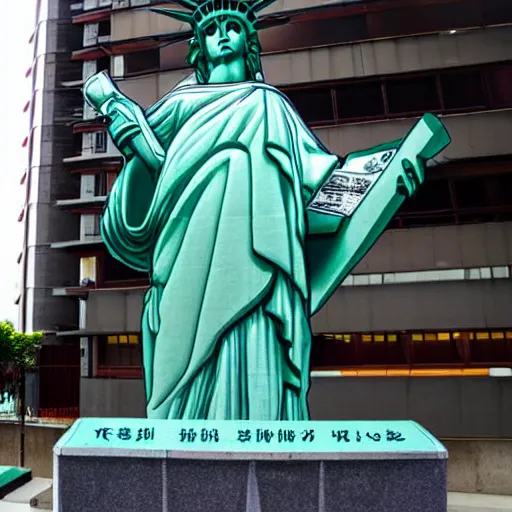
(244, 221)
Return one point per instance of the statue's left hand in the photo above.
(411, 178)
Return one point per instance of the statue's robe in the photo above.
(222, 231)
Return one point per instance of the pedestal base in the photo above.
(91, 476)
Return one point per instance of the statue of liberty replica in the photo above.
(245, 222)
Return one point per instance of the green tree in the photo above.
(18, 355)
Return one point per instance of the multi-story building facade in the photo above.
(423, 327)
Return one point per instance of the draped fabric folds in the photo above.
(222, 232)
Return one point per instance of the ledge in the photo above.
(83, 292)
(92, 156)
(77, 243)
(82, 201)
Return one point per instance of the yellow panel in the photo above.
(482, 335)
(371, 373)
(367, 338)
(392, 338)
(123, 340)
(456, 335)
(399, 373)
(329, 336)
(498, 336)
(417, 337)
(509, 335)
(430, 336)
(339, 337)
(112, 340)
(347, 338)
(435, 372)
(379, 338)
(471, 335)
(88, 268)
(443, 336)
(133, 339)
(476, 372)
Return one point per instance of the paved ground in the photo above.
(456, 503)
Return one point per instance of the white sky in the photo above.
(16, 26)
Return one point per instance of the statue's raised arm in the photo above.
(127, 124)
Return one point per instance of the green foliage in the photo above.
(18, 351)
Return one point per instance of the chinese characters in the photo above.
(125, 434)
(346, 436)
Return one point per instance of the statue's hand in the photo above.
(412, 177)
(103, 95)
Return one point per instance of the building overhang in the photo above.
(77, 244)
(81, 202)
(94, 16)
(84, 292)
(93, 157)
(92, 125)
(85, 333)
(85, 167)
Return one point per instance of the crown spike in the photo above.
(179, 15)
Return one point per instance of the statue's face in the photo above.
(224, 40)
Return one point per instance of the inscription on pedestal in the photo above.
(248, 437)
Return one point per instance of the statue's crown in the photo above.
(202, 12)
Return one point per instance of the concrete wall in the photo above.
(119, 398)
(39, 442)
(440, 247)
(480, 466)
(401, 307)
(114, 311)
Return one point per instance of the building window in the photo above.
(458, 200)
(442, 92)
(100, 142)
(429, 349)
(100, 184)
(104, 28)
(90, 226)
(313, 105)
(88, 269)
(143, 61)
(359, 101)
(499, 81)
(114, 271)
(119, 355)
(464, 90)
(412, 95)
(103, 64)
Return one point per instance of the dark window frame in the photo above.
(484, 73)
(129, 356)
(463, 350)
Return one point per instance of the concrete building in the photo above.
(423, 327)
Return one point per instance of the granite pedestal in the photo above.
(161, 466)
